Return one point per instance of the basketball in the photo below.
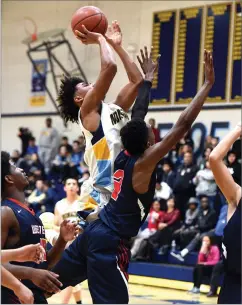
(90, 16)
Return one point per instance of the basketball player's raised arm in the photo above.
(127, 95)
(149, 68)
(154, 154)
(223, 178)
(94, 97)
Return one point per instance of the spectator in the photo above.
(180, 235)
(49, 201)
(185, 148)
(168, 174)
(184, 188)
(205, 225)
(37, 197)
(169, 222)
(218, 232)
(162, 193)
(214, 142)
(156, 131)
(36, 167)
(76, 160)
(24, 134)
(154, 218)
(208, 142)
(65, 142)
(82, 143)
(32, 147)
(19, 161)
(31, 186)
(61, 164)
(48, 144)
(218, 270)
(234, 166)
(206, 154)
(205, 183)
(208, 257)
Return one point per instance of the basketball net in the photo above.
(30, 27)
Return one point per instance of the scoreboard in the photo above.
(181, 36)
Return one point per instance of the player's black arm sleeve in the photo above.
(141, 105)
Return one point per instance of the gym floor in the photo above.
(140, 294)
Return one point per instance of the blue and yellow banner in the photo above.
(163, 43)
(38, 92)
(188, 54)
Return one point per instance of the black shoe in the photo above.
(211, 294)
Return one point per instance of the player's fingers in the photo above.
(151, 51)
(54, 281)
(142, 55)
(80, 34)
(146, 52)
(84, 29)
(51, 287)
(139, 60)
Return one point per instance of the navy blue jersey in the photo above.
(232, 244)
(31, 230)
(127, 210)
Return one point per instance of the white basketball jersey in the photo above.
(69, 210)
(103, 145)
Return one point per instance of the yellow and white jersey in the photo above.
(102, 148)
(69, 210)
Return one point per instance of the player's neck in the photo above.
(17, 195)
(72, 198)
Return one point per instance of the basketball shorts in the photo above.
(100, 256)
(231, 291)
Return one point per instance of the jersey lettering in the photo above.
(117, 116)
(38, 229)
(118, 177)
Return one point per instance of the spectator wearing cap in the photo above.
(168, 174)
(155, 130)
(183, 234)
(32, 147)
(205, 224)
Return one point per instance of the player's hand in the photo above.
(87, 37)
(114, 34)
(31, 253)
(148, 66)
(208, 68)
(69, 230)
(46, 280)
(24, 294)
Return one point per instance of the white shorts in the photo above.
(92, 196)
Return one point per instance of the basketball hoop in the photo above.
(30, 27)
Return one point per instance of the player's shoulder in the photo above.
(60, 203)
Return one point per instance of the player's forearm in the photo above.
(9, 255)
(223, 147)
(189, 115)
(131, 68)
(142, 101)
(55, 253)
(20, 272)
(8, 280)
(106, 54)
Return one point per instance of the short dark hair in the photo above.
(5, 167)
(73, 178)
(64, 138)
(134, 136)
(77, 142)
(68, 109)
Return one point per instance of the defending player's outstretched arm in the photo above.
(149, 67)
(128, 94)
(93, 99)
(154, 154)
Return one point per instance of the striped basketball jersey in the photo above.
(103, 145)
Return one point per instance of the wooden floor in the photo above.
(140, 294)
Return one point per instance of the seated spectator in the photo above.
(156, 131)
(76, 160)
(31, 186)
(180, 235)
(218, 270)
(24, 134)
(32, 147)
(205, 225)
(49, 201)
(37, 197)
(19, 161)
(206, 154)
(208, 257)
(65, 142)
(205, 183)
(184, 188)
(169, 222)
(234, 166)
(162, 193)
(36, 167)
(186, 148)
(214, 142)
(208, 141)
(154, 218)
(168, 174)
(61, 164)
(82, 143)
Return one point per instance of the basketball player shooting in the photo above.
(101, 253)
(101, 122)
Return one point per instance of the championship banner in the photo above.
(38, 93)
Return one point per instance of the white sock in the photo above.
(184, 252)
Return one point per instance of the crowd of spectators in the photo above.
(188, 208)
